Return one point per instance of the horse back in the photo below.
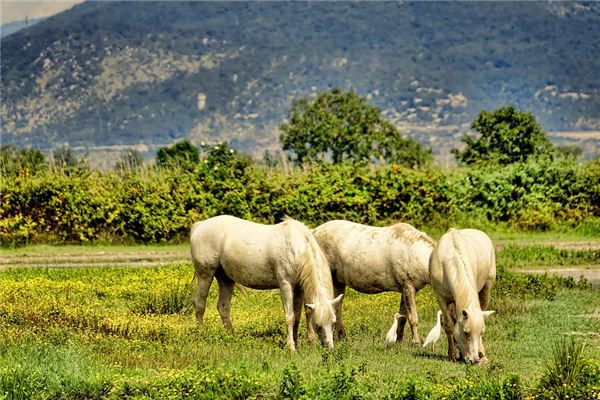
(255, 255)
(375, 259)
(462, 258)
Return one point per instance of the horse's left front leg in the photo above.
(287, 297)
(448, 324)
(298, 303)
(339, 288)
(408, 294)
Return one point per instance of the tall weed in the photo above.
(568, 374)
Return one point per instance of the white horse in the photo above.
(374, 260)
(284, 256)
(463, 271)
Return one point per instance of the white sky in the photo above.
(17, 10)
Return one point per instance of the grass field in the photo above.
(120, 332)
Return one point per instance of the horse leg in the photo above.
(204, 282)
(298, 303)
(409, 293)
(447, 324)
(339, 288)
(484, 295)
(226, 286)
(287, 297)
(484, 300)
(401, 320)
(310, 334)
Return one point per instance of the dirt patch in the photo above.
(95, 259)
(577, 245)
(591, 274)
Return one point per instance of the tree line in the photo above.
(340, 126)
(512, 176)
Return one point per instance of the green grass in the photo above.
(79, 333)
(513, 257)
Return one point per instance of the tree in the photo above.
(342, 126)
(182, 154)
(505, 136)
(19, 161)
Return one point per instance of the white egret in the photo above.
(435, 332)
(392, 335)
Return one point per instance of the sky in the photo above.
(17, 10)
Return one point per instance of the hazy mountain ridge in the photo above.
(12, 27)
(130, 73)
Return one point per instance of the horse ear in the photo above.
(311, 306)
(465, 314)
(487, 313)
(337, 300)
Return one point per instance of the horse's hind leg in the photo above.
(410, 306)
(401, 320)
(226, 286)
(204, 282)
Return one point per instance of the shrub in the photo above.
(568, 374)
(160, 204)
(291, 386)
(175, 300)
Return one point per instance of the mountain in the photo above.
(12, 27)
(114, 74)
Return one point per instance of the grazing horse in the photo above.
(374, 260)
(463, 271)
(284, 256)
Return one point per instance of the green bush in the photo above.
(160, 204)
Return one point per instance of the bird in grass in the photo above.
(435, 332)
(392, 335)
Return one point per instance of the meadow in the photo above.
(112, 331)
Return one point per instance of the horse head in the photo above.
(323, 319)
(468, 332)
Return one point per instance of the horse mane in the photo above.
(464, 292)
(313, 269)
(410, 234)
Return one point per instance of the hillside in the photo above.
(146, 74)
(12, 27)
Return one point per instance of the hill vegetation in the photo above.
(116, 73)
